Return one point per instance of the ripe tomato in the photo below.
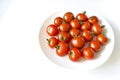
(74, 54)
(93, 19)
(58, 21)
(81, 17)
(95, 45)
(102, 38)
(96, 28)
(64, 36)
(62, 49)
(86, 26)
(52, 30)
(77, 42)
(87, 35)
(74, 32)
(88, 53)
(64, 27)
(75, 24)
(68, 17)
(52, 42)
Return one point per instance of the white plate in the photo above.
(83, 65)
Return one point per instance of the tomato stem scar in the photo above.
(84, 12)
(102, 26)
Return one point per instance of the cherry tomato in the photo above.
(77, 42)
(78, 36)
(96, 28)
(68, 17)
(81, 17)
(75, 24)
(88, 53)
(74, 32)
(93, 19)
(64, 36)
(62, 49)
(86, 26)
(102, 38)
(74, 54)
(52, 30)
(95, 45)
(58, 21)
(64, 27)
(87, 35)
(52, 42)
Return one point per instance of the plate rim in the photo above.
(73, 12)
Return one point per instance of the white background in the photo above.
(20, 55)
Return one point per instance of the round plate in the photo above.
(100, 57)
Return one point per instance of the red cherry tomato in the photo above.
(87, 35)
(95, 45)
(58, 21)
(77, 42)
(64, 27)
(74, 32)
(64, 36)
(93, 19)
(81, 17)
(88, 53)
(102, 38)
(62, 49)
(52, 30)
(68, 17)
(96, 28)
(86, 26)
(52, 42)
(74, 54)
(71, 35)
(75, 24)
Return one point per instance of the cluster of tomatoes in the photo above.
(76, 36)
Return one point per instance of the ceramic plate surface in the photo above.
(100, 57)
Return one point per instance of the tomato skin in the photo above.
(62, 49)
(102, 39)
(87, 35)
(93, 19)
(68, 16)
(74, 54)
(88, 53)
(64, 27)
(81, 17)
(74, 32)
(75, 24)
(86, 26)
(96, 29)
(58, 21)
(52, 42)
(77, 42)
(52, 30)
(64, 36)
(83, 38)
(95, 45)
